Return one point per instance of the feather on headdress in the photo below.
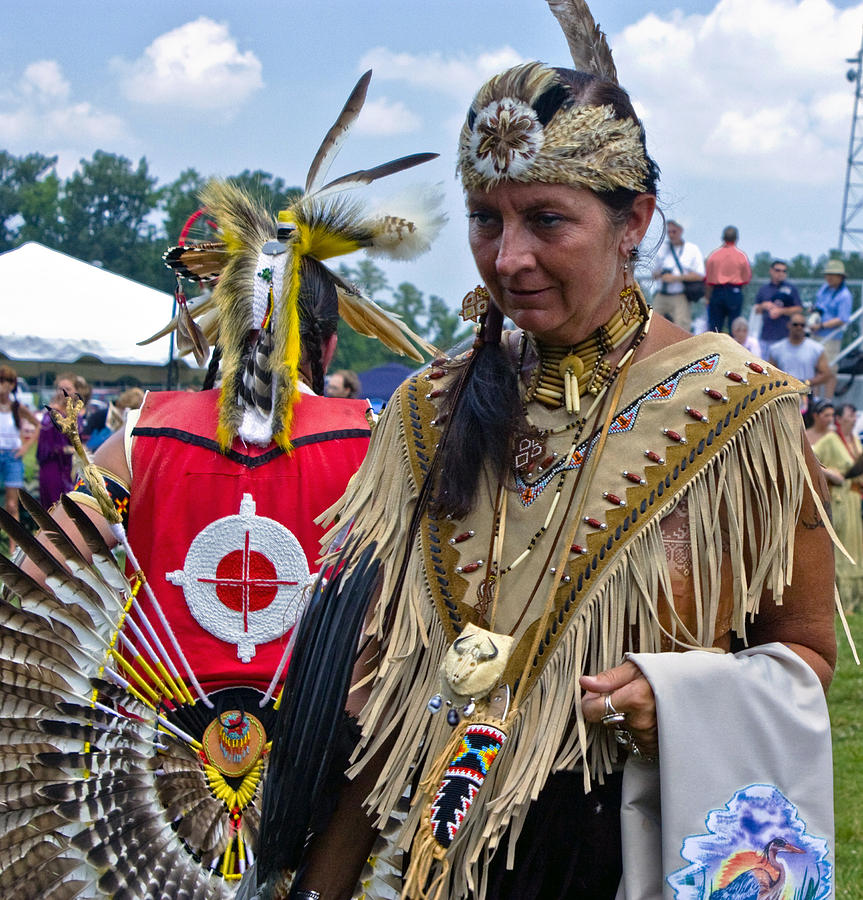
(258, 262)
(524, 126)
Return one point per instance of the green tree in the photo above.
(105, 208)
(446, 328)
(179, 200)
(27, 198)
(39, 207)
(269, 189)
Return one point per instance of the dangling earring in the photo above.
(629, 307)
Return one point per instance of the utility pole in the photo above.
(852, 203)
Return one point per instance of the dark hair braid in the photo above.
(314, 354)
(319, 315)
(484, 414)
(212, 369)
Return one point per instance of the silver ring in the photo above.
(612, 717)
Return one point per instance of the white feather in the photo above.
(413, 219)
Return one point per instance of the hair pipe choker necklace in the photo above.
(565, 373)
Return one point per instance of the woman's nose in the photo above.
(514, 251)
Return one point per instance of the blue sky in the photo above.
(745, 102)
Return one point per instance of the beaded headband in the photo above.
(511, 135)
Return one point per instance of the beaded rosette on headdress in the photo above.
(522, 127)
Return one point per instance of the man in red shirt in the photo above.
(727, 271)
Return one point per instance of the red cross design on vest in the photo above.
(246, 580)
(243, 579)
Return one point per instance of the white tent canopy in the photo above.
(58, 308)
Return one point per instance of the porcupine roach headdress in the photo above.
(260, 264)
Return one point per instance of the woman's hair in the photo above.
(131, 398)
(9, 374)
(486, 415)
(351, 381)
(815, 409)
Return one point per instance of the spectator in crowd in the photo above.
(837, 448)
(345, 383)
(726, 272)
(834, 302)
(803, 358)
(679, 261)
(131, 398)
(777, 301)
(14, 443)
(53, 451)
(740, 333)
(96, 430)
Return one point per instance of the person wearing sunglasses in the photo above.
(776, 301)
(803, 357)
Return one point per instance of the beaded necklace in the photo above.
(565, 373)
(489, 588)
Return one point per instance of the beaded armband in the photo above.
(118, 491)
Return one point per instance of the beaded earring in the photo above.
(629, 308)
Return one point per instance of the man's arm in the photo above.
(823, 372)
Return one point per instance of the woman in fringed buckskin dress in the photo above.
(593, 484)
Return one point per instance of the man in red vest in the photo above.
(213, 496)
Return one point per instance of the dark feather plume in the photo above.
(311, 714)
(367, 176)
(334, 138)
(587, 43)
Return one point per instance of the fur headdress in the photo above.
(261, 261)
(524, 126)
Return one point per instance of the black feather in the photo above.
(311, 713)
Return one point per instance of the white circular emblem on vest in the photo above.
(244, 578)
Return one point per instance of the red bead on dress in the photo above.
(674, 435)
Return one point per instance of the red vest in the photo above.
(227, 541)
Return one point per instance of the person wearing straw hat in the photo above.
(834, 302)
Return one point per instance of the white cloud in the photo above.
(456, 76)
(37, 109)
(384, 118)
(43, 81)
(754, 88)
(195, 66)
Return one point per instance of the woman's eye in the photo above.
(480, 217)
(547, 220)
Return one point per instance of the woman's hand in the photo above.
(630, 693)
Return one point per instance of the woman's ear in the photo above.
(643, 207)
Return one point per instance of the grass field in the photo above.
(846, 716)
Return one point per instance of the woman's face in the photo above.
(824, 418)
(847, 420)
(550, 256)
(64, 386)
